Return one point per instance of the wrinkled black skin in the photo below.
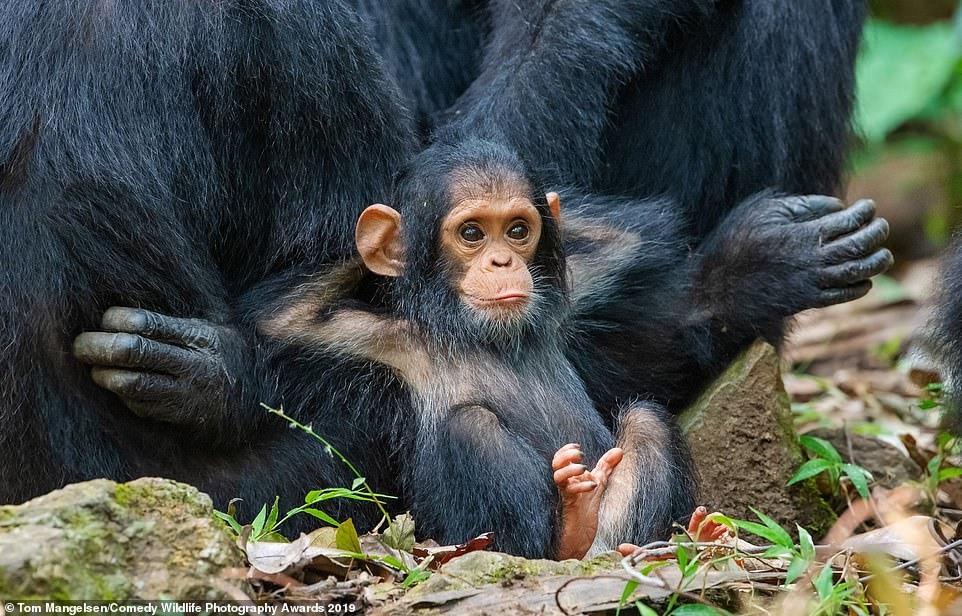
(945, 336)
(196, 160)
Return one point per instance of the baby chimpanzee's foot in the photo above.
(581, 492)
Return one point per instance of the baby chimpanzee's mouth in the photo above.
(510, 300)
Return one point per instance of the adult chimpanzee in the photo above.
(462, 315)
(704, 101)
(171, 155)
(945, 338)
(194, 158)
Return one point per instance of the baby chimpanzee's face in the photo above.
(489, 238)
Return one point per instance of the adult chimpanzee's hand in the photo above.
(775, 256)
(186, 371)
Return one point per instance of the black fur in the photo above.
(703, 101)
(479, 408)
(171, 156)
(200, 160)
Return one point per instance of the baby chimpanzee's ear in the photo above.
(554, 204)
(378, 239)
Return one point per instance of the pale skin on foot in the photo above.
(581, 492)
(700, 529)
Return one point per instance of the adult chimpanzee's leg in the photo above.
(171, 156)
(550, 70)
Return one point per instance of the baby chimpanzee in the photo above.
(499, 335)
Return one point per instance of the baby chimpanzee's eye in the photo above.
(471, 233)
(518, 231)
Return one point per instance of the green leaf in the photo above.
(810, 469)
(272, 517)
(358, 483)
(805, 544)
(949, 473)
(784, 539)
(757, 529)
(415, 576)
(697, 609)
(400, 533)
(901, 70)
(795, 569)
(346, 537)
(820, 448)
(258, 524)
(630, 587)
(320, 515)
(778, 551)
(724, 520)
(229, 519)
(681, 554)
(823, 583)
(933, 466)
(859, 478)
(232, 507)
(644, 610)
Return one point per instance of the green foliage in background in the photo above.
(906, 72)
(910, 98)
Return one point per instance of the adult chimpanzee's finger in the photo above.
(810, 207)
(145, 394)
(850, 272)
(846, 221)
(132, 351)
(829, 297)
(864, 241)
(183, 332)
(569, 454)
(134, 385)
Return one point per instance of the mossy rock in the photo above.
(99, 540)
(745, 448)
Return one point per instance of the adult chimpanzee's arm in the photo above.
(775, 256)
(550, 69)
(652, 320)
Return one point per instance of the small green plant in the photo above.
(800, 555)
(399, 534)
(842, 597)
(266, 523)
(937, 470)
(824, 458)
(933, 397)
